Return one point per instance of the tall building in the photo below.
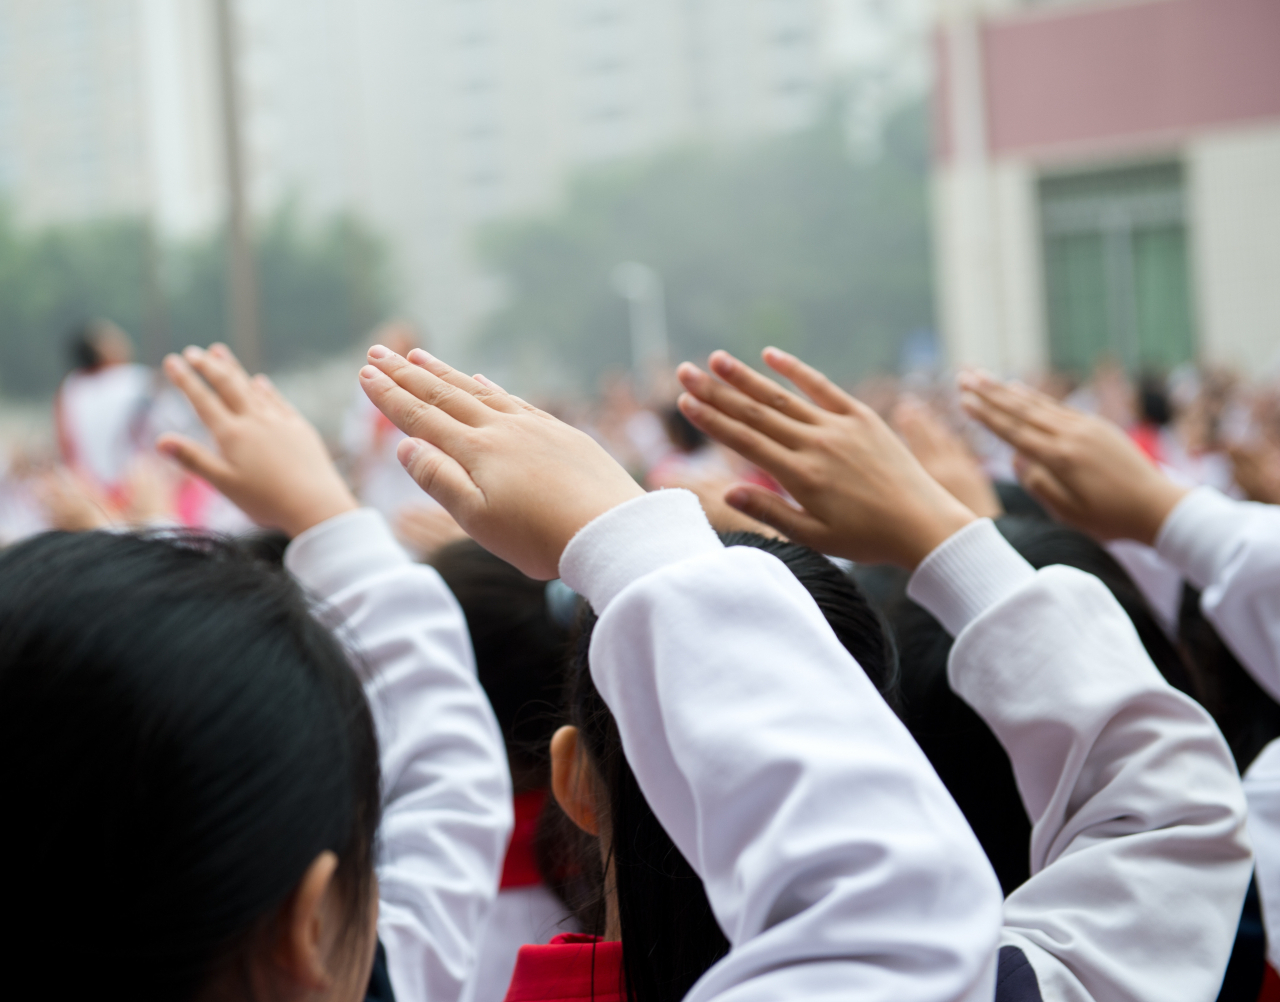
(106, 108)
(1108, 182)
(430, 117)
(425, 117)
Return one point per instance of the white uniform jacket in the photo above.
(1139, 858)
(834, 859)
(446, 786)
(1230, 550)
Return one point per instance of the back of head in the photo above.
(669, 934)
(179, 740)
(520, 650)
(82, 349)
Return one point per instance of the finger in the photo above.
(760, 387)
(222, 371)
(760, 449)
(209, 408)
(429, 388)
(268, 393)
(730, 401)
(411, 415)
(492, 395)
(1016, 400)
(1026, 438)
(1041, 484)
(195, 458)
(812, 383)
(440, 475)
(765, 506)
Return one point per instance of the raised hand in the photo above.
(518, 481)
(269, 460)
(862, 494)
(1083, 469)
(945, 456)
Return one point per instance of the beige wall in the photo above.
(1234, 202)
(988, 265)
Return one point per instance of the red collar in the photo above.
(520, 868)
(570, 967)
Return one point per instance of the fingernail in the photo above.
(407, 450)
(191, 353)
(689, 402)
(369, 372)
(378, 351)
(420, 357)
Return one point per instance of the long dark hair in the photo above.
(669, 934)
(179, 740)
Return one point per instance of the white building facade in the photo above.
(1107, 183)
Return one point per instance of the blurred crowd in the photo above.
(1201, 425)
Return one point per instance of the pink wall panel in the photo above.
(1094, 75)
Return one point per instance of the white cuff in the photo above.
(1196, 536)
(329, 556)
(634, 539)
(969, 573)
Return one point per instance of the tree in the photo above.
(787, 241)
(321, 285)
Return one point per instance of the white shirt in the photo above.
(446, 785)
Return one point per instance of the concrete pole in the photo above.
(243, 326)
(641, 287)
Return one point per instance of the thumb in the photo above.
(195, 458)
(440, 475)
(1042, 485)
(767, 507)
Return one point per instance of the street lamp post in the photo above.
(641, 287)
(242, 282)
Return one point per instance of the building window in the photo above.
(1115, 260)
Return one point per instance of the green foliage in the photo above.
(320, 286)
(787, 242)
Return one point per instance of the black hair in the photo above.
(1153, 400)
(669, 934)
(82, 345)
(962, 749)
(1247, 715)
(520, 650)
(179, 739)
(684, 434)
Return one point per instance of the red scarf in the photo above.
(569, 968)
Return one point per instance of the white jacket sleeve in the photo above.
(446, 785)
(834, 859)
(1230, 550)
(1139, 859)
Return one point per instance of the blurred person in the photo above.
(1102, 916)
(633, 434)
(1089, 476)
(521, 646)
(1155, 413)
(654, 900)
(743, 719)
(691, 456)
(225, 744)
(446, 793)
(101, 408)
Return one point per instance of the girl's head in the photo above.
(189, 773)
(616, 864)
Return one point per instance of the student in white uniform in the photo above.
(1139, 859)
(781, 776)
(197, 781)
(1091, 476)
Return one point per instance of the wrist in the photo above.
(1163, 497)
(314, 514)
(934, 529)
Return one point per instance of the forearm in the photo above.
(747, 725)
(446, 786)
(1230, 550)
(1137, 814)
